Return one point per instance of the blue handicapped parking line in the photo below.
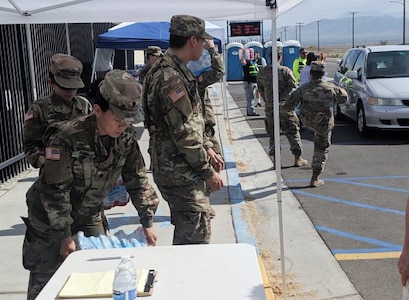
(379, 245)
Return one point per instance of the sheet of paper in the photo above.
(82, 285)
(98, 284)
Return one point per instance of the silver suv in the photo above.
(377, 81)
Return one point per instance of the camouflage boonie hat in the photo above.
(187, 26)
(317, 66)
(67, 71)
(123, 93)
(154, 50)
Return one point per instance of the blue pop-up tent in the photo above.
(135, 36)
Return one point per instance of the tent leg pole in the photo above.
(67, 37)
(277, 161)
(31, 61)
(224, 93)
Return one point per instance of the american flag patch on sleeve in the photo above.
(52, 153)
(176, 94)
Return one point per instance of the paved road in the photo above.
(360, 211)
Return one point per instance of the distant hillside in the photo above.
(368, 30)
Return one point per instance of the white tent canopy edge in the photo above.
(93, 11)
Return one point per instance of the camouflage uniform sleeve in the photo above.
(215, 74)
(292, 101)
(185, 124)
(33, 136)
(143, 195)
(143, 72)
(341, 94)
(87, 106)
(260, 83)
(290, 84)
(56, 184)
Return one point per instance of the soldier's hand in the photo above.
(403, 265)
(215, 160)
(150, 235)
(67, 247)
(208, 44)
(214, 183)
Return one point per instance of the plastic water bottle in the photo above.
(124, 286)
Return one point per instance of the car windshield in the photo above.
(389, 64)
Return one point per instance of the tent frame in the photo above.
(27, 13)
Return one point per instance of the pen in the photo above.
(107, 258)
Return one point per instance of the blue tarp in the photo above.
(138, 36)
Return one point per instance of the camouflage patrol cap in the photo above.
(154, 50)
(67, 71)
(123, 93)
(317, 66)
(187, 26)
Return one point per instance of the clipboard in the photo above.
(99, 284)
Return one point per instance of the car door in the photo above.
(356, 87)
(348, 83)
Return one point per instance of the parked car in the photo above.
(377, 81)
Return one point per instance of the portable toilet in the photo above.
(268, 49)
(234, 67)
(291, 50)
(256, 46)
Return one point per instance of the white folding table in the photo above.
(188, 272)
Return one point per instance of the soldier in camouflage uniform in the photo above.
(317, 99)
(174, 117)
(152, 54)
(83, 159)
(63, 104)
(289, 122)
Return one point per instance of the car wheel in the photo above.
(363, 130)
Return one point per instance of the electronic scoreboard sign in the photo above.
(245, 28)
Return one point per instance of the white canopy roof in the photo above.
(93, 11)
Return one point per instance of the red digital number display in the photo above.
(245, 29)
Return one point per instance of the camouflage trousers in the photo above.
(190, 213)
(290, 127)
(41, 252)
(322, 142)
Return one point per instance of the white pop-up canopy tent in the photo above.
(92, 11)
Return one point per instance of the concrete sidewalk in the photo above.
(246, 211)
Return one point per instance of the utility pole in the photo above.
(285, 32)
(403, 3)
(299, 28)
(404, 23)
(318, 34)
(353, 28)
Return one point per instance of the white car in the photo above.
(377, 81)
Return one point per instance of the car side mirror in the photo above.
(352, 74)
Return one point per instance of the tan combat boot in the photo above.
(315, 179)
(300, 162)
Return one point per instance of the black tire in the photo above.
(363, 130)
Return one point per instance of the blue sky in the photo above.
(313, 10)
